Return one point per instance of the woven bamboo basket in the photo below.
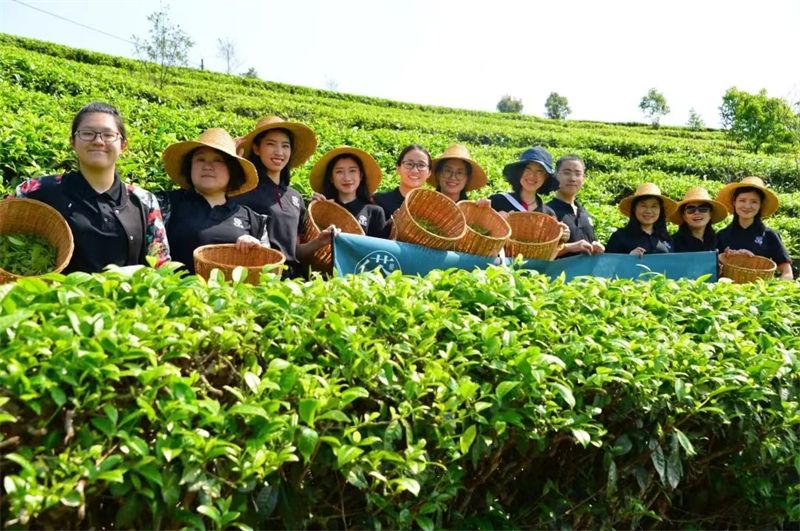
(742, 268)
(321, 215)
(436, 209)
(225, 257)
(28, 216)
(533, 235)
(488, 219)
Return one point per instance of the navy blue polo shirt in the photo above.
(684, 242)
(287, 214)
(756, 238)
(371, 217)
(627, 239)
(389, 201)
(501, 204)
(191, 222)
(578, 221)
(107, 227)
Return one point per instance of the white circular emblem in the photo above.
(383, 260)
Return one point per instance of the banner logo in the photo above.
(383, 260)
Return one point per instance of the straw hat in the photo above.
(214, 138)
(768, 206)
(460, 152)
(304, 140)
(648, 190)
(371, 168)
(698, 194)
(539, 155)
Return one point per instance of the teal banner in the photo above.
(356, 254)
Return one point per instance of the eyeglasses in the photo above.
(703, 209)
(459, 175)
(87, 135)
(410, 165)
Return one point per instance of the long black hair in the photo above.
(758, 223)
(330, 191)
(659, 227)
(286, 172)
(462, 196)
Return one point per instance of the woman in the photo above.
(530, 175)
(455, 173)
(646, 231)
(750, 202)
(209, 173)
(112, 222)
(275, 146)
(349, 176)
(413, 167)
(696, 214)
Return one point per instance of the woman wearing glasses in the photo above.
(112, 222)
(455, 173)
(413, 167)
(695, 216)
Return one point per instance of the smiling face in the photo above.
(453, 177)
(98, 154)
(414, 169)
(210, 173)
(571, 177)
(274, 149)
(696, 215)
(747, 205)
(533, 177)
(346, 176)
(647, 211)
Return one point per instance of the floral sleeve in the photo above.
(155, 234)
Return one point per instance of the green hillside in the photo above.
(42, 85)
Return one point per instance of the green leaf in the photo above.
(622, 445)
(425, 523)
(351, 394)
(211, 512)
(308, 410)
(466, 439)
(684, 441)
(58, 396)
(252, 381)
(307, 442)
(346, 454)
(504, 388)
(103, 424)
(114, 476)
(409, 484)
(565, 393)
(611, 481)
(73, 499)
(659, 462)
(674, 468)
(582, 436)
(248, 410)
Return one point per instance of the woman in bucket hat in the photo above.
(209, 173)
(112, 222)
(276, 146)
(750, 202)
(455, 173)
(349, 176)
(413, 167)
(695, 216)
(646, 231)
(530, 175)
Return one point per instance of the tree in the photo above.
(509, 104)
(556, 106)
(756, 119)
(166, 45)
(251, 73)
(695, 120)
(654, 106)
(226, 50)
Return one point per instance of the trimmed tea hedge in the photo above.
(460, 400)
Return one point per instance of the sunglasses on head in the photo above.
(703, 209)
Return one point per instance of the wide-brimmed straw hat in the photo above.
(698, 194)
(371, 168)
(768, 206)
(214, 138)
(540, 155)
(648, 190)
(460, 152)
(304, 141)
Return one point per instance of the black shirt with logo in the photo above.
(389, 201)
(371, 217)
(684, 242)
(577, 219)
(756, 238)
(626, 239)
(501, 203)
(287, 214)
(191, 222)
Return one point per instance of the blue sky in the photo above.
(603, 56)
